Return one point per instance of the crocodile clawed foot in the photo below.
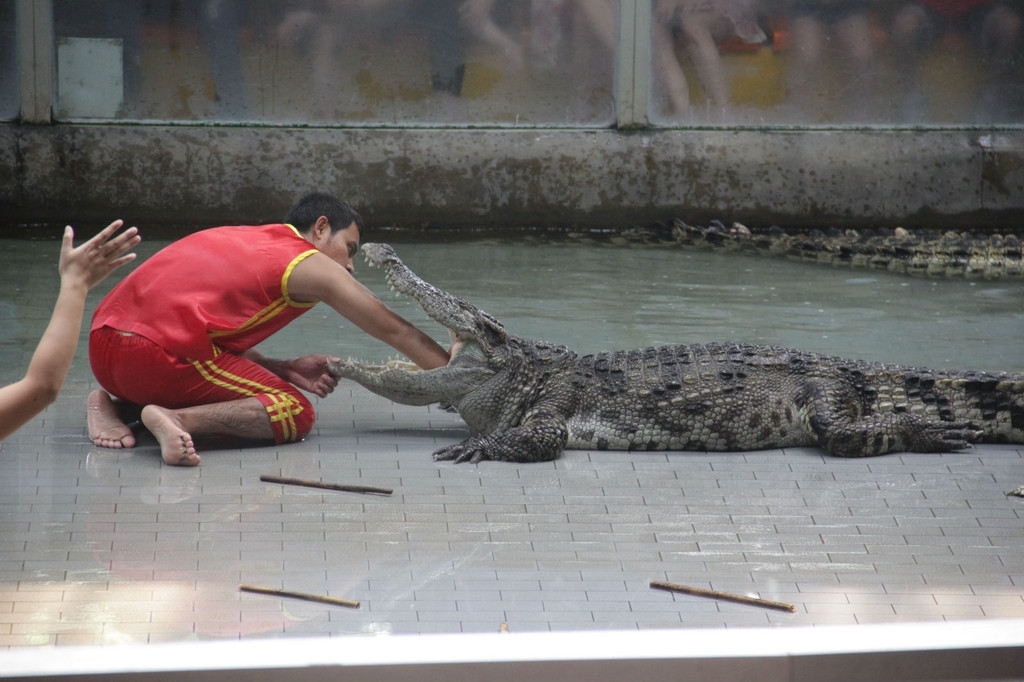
(939, 436)
(466, 451)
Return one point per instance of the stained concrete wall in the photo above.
(505, 178)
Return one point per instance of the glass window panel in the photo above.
(957, 61)
(521, 62)
(177, 59)
(8, 62)
(380, 62)
(533, 62)
(836, 62)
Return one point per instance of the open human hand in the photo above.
(90, 263)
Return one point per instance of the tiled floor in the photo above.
(113, 547)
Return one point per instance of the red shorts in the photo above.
(133, 368)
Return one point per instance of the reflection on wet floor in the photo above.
(104, 546)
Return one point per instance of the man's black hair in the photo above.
(307, 210)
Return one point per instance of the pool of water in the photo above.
(595, 297)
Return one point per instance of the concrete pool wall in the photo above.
(454, 178)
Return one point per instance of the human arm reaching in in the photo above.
(335, 285)
(80, 269)
(318, 278)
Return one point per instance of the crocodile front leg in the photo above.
(540, 438)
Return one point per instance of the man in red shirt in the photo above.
(173, 343)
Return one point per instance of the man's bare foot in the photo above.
(176, 444)
(106, 429)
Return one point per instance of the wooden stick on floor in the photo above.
(335, 601)
(327, 486)
(715, 594)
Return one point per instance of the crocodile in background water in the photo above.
(927, 253)
(530, 399)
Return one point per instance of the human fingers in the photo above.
(67, 247)
(105, 245)
(104, 253)
(110, 229)
(103, 235)
(119, 250)
(113, 252)
(321, 389)
(326, 384)
(109, 245)
(68, 239)
(118, 262)
(126, 240)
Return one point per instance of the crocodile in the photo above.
(528, 399)
(925, 253)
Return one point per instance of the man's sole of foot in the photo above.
(176, 446)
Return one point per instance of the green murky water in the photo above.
(593, 297)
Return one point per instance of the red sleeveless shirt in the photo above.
(224, 288)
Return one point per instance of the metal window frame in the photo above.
(632, 64)
(34, 27)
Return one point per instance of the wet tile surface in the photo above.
(108, 547)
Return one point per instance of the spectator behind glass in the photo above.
(994, 27)
(821, 29)
(220, 23)
(698, 25)
(323, 29)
